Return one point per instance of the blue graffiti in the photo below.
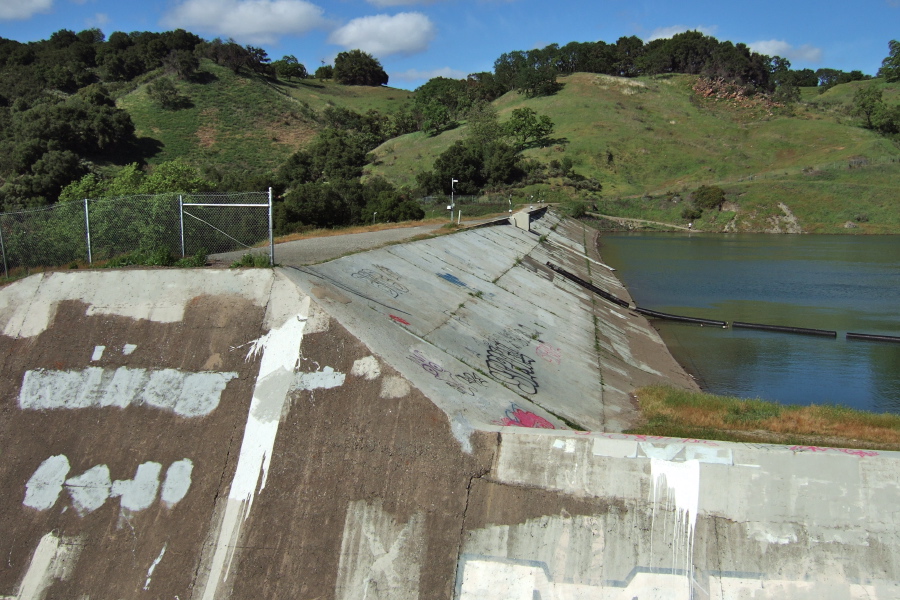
(452, 279)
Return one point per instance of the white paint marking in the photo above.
(90, 490)
(178, 482)
(325, 379)
(679, 481)
(140, 492)
(52, 559)
(128, 349)
(184, 393)
(280, 353)
(378, 553)
(44, 487)
(367, 367)
(719, 456)
(153, 567)
(37, 577)
(559, 444)
(159, 296)
(666, 452)
(98, 353)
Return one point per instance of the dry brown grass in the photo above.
(678, 413)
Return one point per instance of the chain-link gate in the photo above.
(214, 223)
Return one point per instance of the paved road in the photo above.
(321, 249)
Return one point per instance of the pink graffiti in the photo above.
(654, 438)
(808, 449)
(549, 353)
(518, 417)
(400, 320)
(859, 453)
(850, 451)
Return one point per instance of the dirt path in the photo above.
(625, 221)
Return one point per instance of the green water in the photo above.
(841, 283)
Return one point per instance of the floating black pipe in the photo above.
(668, 317)
(874, 338)
(590, 286)
(783, 329)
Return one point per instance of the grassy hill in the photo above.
(659, 136)
(648, 140)
(653, 137)
(244, 122)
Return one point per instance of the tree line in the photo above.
(58, 117)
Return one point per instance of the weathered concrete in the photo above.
(366, 429)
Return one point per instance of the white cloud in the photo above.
(383, 35)
(98, 20)
(416, 74)
(664, 33)
(804, 53)
(253, 21)
(13, 10)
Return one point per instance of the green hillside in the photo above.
(654, 137)
(649, 140)
(244, 122)
(659, 136)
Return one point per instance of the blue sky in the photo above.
(419, 39)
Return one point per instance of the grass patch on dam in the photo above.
(672, 412)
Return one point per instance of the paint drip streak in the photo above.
(677, 484)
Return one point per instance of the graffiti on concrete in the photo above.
(850, 451)
(510, 367)
(384, 279)
(464, 383)
(460, 283)
(551, 354)
(184, 393)
(452, 279)
(400, 320)
(517, 416)
(507, 361)
(90, 490)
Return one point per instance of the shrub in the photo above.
(691, 213)
(709, 196)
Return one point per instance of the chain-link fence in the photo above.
(102, 229)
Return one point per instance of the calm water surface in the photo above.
(841, 283)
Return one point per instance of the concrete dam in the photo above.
(434, 419)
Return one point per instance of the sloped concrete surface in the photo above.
(489, 332)
(380, 427)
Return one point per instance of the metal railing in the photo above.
(102, 229)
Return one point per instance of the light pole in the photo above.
(452, 202)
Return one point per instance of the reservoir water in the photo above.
(841, 283)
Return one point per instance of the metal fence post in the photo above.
(271, 236)
(3, 249)
(87, 228)
(181, 220)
